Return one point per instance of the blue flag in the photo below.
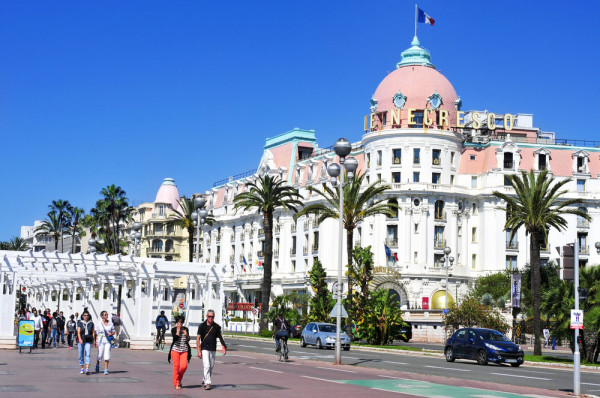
(424, 18)
(388, 252)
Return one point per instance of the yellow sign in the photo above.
(26, 329)
(387, 271)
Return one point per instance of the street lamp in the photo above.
(136, 238)
(342, 148)
(92, 244)
(597, 246)
(448, 260)
(199, 216)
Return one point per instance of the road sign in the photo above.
(576, 319)
(255, 311)
(334, 311)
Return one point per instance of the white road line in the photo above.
(337, 370)
(455, 369)
(237, 355)
(381, 389)
(523, 377)
(268, 370)
(389, 377)
(591, 384)
(317, 378)
(249, 346)
(396, 363)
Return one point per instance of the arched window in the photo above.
(157, 245)
(169, 245)
(440, 214)
(438, 300)
(394, 202)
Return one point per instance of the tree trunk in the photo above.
(267, 271)
(536, 290)
(349, 247)
(191, 243)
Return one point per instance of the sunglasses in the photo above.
(210, 316)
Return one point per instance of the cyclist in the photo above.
(161, 326)
(282, 330)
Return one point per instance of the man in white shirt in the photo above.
(37, 326)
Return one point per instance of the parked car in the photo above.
(323, 335)
(406, 332)
(295, 331)
(483, 345)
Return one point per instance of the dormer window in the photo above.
(304, 153)
(580, 162)
(542, 162)
(508, 161)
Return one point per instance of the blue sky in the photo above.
(130, 92)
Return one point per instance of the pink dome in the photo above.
(168, 194)
(417, 80)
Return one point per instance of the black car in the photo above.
(295, 330)
(483, 345)
(406, 332)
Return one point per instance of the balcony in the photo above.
(392, 242)
(440, 216)
(315, 248)
(159, 252)
(582, 223)
(439, 243)
(513, 245)
(396, 160)
(584, 249)
(293, 251)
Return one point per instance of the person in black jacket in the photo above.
(180, 351)
(206, 343)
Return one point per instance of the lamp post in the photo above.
(342, 148)
(199, 216)
(136, 238)
(448, 260)
(597, 246)
(92, 245)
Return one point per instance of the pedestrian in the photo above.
(105, 334)
(206, 343)
(85, 338)
(53, 330)
(61, 327)
(180, 351)
(546, 333)
(45, 324)
(71, 326)
(116, 320)
(37, 328)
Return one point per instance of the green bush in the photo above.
(266, 333)
(236, 319)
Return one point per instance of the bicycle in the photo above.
(160, 339)
(282, 354)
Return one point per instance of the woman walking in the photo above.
(180, 351)
(86, 335)
(71, 326)
(105, 331)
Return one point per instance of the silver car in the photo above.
(323, 335)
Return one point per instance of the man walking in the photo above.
(61, 326)
(54, 325)
(206, 344)
(37, 327)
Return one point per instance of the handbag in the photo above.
(109, 338)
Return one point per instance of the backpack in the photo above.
(116, 320)
(88, 336)
(160, 323)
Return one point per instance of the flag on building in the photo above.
(388, 252)
(245, 263)
(395, 257)
(424, 18)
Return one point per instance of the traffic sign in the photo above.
(255, 311)
(334, 311)
(576, 319)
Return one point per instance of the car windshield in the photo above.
(491, 335)
(327, 328)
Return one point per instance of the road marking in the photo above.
(396, 363)
(249, 346)
(456, 369)
(389, 377)
(383, 389)
(268, 370)
(241, 356)
(524, 377)
(317, 378)
(337, 370)
(591, 384)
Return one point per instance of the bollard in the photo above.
(553, 343)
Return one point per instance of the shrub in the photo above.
(266, 333)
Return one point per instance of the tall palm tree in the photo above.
(17, 244)
(62, 208)
(268, 194)
(108, 215)
(183, 218)
(51, 226)
(537, 206)
(358, 205)
(76, 214)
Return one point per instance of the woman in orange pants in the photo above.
(180, 351)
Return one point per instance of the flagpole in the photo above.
(415, 19)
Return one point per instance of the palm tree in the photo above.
(75, 214)
(183, 218)
(108, 215)
(62, 208)
(17, 244)
(51, 226)
(357, 206)
(267, 195)
(537, 206)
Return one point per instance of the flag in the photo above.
(395, 257)
(424, 18)
(388, 252)
(245, 263)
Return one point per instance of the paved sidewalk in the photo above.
(55, 373)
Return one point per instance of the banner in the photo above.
(515, 283)
(425, 303)
(26, 332)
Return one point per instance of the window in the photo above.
(293, 265)
(438, 237)
(157, 245)
(439, 213)
(580, 185)
(506, 181)
(161, 210)
(392, 235)
(438, 260)
(368, 160)
(511, 263)
(473, 261)
(435, 178)
(416, 256)
(508, 161)
(417, 119)
(582, 238)
(416, 228)
(394, 202)
(416, 176)
(368, 180)
(158, 229)
(436, 156)
(542, 162)
(379, 177)
(580, 164)
(473, 182)
(474, 234)
(416, 155)
(379, 158)
(511, 244)
(396, 178)
(452, 159)
(452, 179)
(581, 221)
(396, 156)
(472, 157)
(315, 245)
(543, 262)
(474, 208)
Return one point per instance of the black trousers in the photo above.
(36, 338)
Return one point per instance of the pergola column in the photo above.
(8, 298)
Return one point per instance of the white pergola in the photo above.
(138, 288)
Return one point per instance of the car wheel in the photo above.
(346, 348)
(302, 342)
(482, 357)
(515, 365)
(450, 354)
(319, 344)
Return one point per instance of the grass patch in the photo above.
(389, 347)
(547, 359)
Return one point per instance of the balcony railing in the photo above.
(439, 243)
(315, 248)
(584, 249)
(440, 216)
(392, 242)
(293, 250)
(512, 245)
(582, 223)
